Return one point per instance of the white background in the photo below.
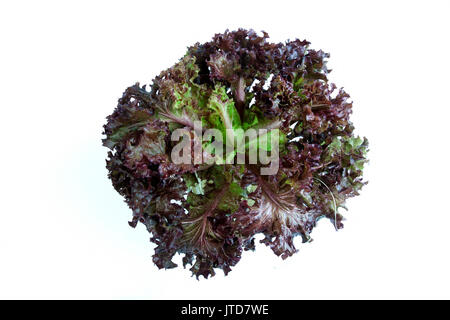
(63, 228)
